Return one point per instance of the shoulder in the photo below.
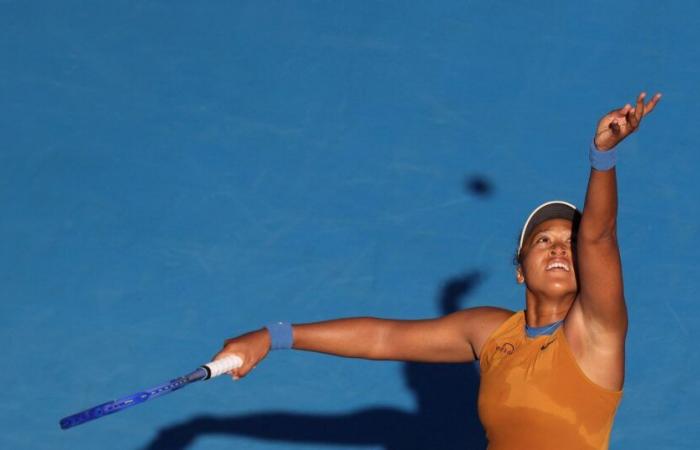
(489, 316)
(482, 316)
(493, 312)
(480, 323)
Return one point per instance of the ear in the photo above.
(519, 277)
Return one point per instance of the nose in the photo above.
(558, 249)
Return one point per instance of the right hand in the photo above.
(250, 347)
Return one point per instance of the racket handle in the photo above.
(221, 366)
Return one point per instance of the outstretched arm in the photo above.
(457, 337)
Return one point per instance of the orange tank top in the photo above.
(533, 394)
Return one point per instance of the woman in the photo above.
(552, 375)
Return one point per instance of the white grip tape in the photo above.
(223, 365)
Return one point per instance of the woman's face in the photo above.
(548, 260)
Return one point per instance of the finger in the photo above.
(652, 103)
(620, 112)
(639, 109)
(632, 118)
(245, 369)
(237, 373)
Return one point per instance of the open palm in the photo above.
(620, 123)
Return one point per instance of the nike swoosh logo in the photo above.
(547, 344)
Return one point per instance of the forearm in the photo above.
(600, 210)
(599, 219)
(599, 266)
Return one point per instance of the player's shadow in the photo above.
(445, 417)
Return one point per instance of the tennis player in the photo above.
(552, 374)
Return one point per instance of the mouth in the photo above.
(558, 265)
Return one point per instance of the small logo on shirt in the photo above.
(506, 348)
(544, 347)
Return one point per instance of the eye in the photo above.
(542, 239)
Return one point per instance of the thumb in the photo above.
(245, 369)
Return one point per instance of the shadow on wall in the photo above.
(478, 185)
(446, 417)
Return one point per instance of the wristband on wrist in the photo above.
(602, 160)
(281, 337)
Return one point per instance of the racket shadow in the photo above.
(445, 418)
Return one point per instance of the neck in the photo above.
(543, 310)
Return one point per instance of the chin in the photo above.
(555, 288)
(563, 288)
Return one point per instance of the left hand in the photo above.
(620, 123)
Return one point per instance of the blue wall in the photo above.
(174, 173)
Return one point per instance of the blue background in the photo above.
(174, 173)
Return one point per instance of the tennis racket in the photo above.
(205, 372)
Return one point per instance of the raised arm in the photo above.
(457, 337)
(596, 325)
(601, 297)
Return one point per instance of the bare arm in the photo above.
(601, 297)
(457, 337)
(596, 326)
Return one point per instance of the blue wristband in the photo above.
(602, 160)
(281, 337)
